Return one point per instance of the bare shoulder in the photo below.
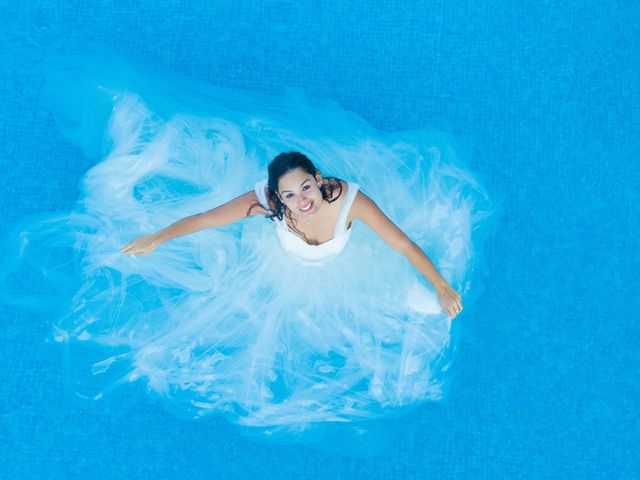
(250, 203)
(362, 203)
(366, 210)
(363, 207)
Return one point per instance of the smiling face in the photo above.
(300, 191)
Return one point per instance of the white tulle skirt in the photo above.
(223, 322)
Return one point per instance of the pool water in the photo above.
(545, 95)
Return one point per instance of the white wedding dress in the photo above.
(247, 321)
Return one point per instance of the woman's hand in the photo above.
(141, 245)
(450, 300)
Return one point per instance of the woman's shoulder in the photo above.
(251, 203)
(362, 205)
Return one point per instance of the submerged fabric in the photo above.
(227, 321)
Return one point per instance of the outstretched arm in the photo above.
(240, 207)
(367, 211)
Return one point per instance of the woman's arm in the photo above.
(366, 210)
(240, 207)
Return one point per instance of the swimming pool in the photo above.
(546, 97)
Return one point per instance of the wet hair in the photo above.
(283, 163)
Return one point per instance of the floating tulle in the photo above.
(224, 322)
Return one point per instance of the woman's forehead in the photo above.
(293, 179)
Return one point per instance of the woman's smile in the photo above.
(307, 208)
(300, 192)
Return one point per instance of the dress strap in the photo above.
(261, 193)
(346, 208)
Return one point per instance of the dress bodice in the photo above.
(301, 250)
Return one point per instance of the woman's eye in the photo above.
(306, 187)
(289, 195)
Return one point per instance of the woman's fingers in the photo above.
(137, 247)
(454, 308)
(450, 301)
(130, 247)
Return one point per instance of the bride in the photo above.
(315, 320)
(296, 191)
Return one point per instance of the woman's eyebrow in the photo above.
(307, 180)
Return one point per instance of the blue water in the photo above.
(546, 97)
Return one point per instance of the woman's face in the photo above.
(300, 191)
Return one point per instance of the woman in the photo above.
(269, 327)
(297, 191)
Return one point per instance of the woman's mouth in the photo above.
(307, 208)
